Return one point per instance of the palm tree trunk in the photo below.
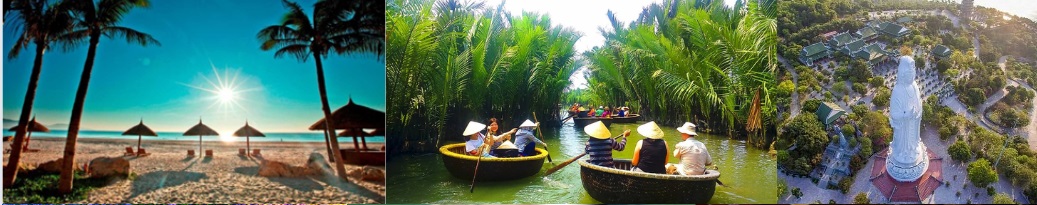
(327, 118)
(67, 166)
(327, 144)
(11, 170)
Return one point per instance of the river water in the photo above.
(749, 173)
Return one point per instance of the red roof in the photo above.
(907, 191)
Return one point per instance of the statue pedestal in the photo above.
(919, 190)
(905, 168)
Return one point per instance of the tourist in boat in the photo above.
(494, 138)
(597, 113)
(622, 111)
(475, 144)
(693, 154)
(650, 154)
(599, 147)
(607, 113)
(590, 111)
(525, 140)
(506, 149)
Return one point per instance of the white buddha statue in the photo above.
(907, 160)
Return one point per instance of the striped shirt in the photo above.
(600, 150)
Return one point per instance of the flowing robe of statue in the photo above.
(907, 160)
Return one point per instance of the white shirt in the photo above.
(694, 157)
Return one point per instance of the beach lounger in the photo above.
(142, 153)
(208, 153)
(190, 152)
(242, 152)
(129, 151)
(255, 152)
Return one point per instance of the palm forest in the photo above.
(449, 62)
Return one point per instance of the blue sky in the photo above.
(166, 85)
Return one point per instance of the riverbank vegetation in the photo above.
(693, 61)
(449, 62)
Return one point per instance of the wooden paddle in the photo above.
(477, 161)
(541, 138)
(472, 189)
(567, 162)
(563, 164)
(718, 178)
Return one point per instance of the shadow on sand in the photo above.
(161, 179)
(251, 171)
(350, 187)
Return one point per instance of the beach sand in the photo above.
(169, 176)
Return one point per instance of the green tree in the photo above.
(329, 30)
(39, 23)
(804, 133)
(92, 21)
(449, 62)
(1002, 198)
(959, 151)
(713, 60)
(882, 98)
(861, 198)
(981, 174)
(785, 88)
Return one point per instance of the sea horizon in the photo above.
(178, 136)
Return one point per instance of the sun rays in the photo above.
(227, 93)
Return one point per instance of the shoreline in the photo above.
(168, 175)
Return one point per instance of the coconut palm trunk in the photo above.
(68, 164)
(12, 167)
(92, 21)
(339, 167)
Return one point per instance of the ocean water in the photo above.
(270, 137)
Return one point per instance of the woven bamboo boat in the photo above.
(584, 121)
(618, 185)
(631, 118)
(462, 165)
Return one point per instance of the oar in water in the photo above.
(472, 190)
(567, 162)
(718, 178)
(563, 164)
(542, 136)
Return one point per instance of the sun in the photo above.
(226, 91)
(226, 94)
(226, 137)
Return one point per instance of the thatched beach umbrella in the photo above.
(140, 130)
(248, 131)
(350, 132)
(200, 130)
(33, 127)
(353, 116)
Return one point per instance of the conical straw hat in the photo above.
(650, 130)
(528, 123)
(473, 127)
(507, 145)
(597, 130)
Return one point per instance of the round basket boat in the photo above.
(620, 186)
(462, 165)
(631, 118)
(582, 122)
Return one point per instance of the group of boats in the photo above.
(607, 185)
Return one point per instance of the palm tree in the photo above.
(91, 21)
(39, 23)
(337, 26)
(681, 61)
(452, 61)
